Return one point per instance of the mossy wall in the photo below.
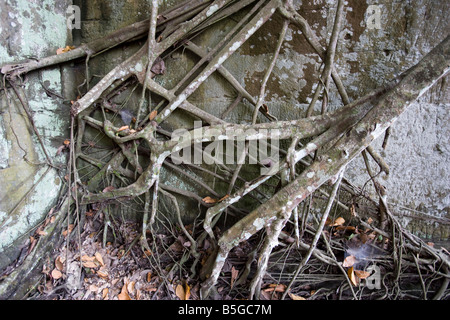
(368, 56)
(30, 30)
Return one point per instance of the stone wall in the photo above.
(370, 53)
(30, 30)
(379, 40)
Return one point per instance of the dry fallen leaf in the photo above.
(59, 263)
(352, 277)
(123, 295)
(179, 291)
(85, 257)
(149, 288)
(183, 292)
(99, 258)
(65, 49)
(346, 228)
(41, 232)
(187, 290)
(130, 287)
(102, 274)
(361, 274)
(65, 232)
(93, 288)
(209, 200)
(349, 261)
(224, 197)
(105, 293)
(295, 297)
(338, 222)
(153, 115)
(275, 287)
(90, 264)
(123, 128)
(56, 274)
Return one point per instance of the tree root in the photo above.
(333, 139)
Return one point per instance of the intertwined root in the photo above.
(336, 138)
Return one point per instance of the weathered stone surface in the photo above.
(379, 40)
(30, 30)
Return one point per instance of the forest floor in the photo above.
(119, 267)
(122, 269)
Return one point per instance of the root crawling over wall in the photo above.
(321, 145)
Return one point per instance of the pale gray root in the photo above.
(271, 241)
(414, 83)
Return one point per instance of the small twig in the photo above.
(379, 189)
(291, 176)
(232, 106)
